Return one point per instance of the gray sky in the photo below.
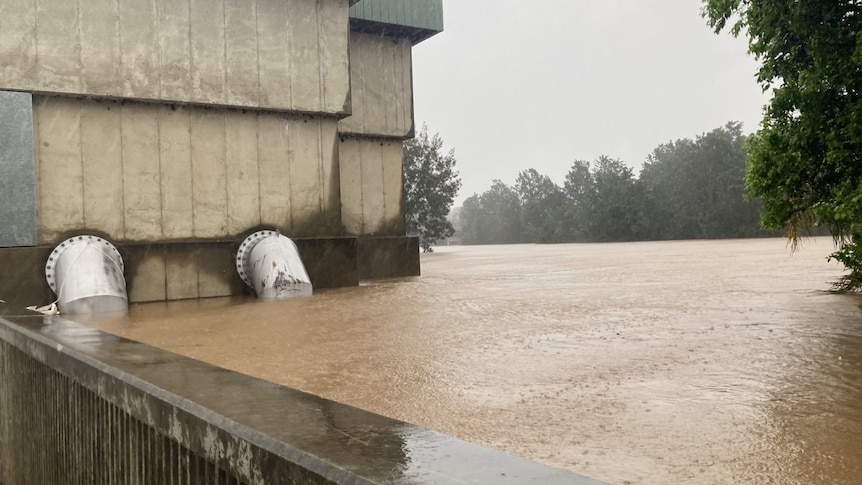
(512, 85)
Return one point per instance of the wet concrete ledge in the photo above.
(192, 269)
(257, 431)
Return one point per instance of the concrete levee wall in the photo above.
(381, 83)
(148, 172)
(274, 54)
(372, 190)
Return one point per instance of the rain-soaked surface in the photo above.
(659, 362)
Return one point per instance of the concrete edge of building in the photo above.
(78, 402)
(388, 257)
(331, 262)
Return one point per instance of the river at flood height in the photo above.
(654, 362)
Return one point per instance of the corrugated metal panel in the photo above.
(17, 171)
(420, 14)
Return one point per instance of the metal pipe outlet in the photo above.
(86, 273)
(269, 263)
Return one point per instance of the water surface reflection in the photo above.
(660, 362)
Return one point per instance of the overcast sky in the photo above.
(512, 85)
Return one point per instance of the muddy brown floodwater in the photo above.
(658, 362)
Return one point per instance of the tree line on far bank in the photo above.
(687, 189)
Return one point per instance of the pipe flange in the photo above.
(244, 251)
(51, 265)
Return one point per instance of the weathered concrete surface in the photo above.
(174, 271)
(372, 188)
(79, 405)
(145, 172)
(381, 85)
(179, 270)
(388, 257)
(17, 171)
(274, 78)
(273, 54)
(23, 280)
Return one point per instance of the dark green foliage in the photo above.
(694, 189)
(806, 160)
(539, 196)
(430, 186)
(687, 189)
(611, 208)
(493, 217)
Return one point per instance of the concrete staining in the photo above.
(662, 362)
(147, 172)
(227, 53)
(198, 122)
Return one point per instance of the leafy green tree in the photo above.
(430, 186)
(579, 181)
(726, 213)
(806, 160)
(494, 217)
(695, 189)
(567, 221)
(611, 209)
(670, 196)
(539, 197)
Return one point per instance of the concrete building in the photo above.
(175, 127)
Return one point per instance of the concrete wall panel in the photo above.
(102, 160)
(303, 44)
(241, 79)
(60, 175)
(372, 187)
(209, 187)
(174, 59)
(181, 273)
(393, 189)
(350, 164)
(139, 49)
(381, 87)
(208, 51)
(375, 77)
(142, 204)
(274, 168)
(274, 62)
(403, 87)
(58, 46)
(305, 175)
(17, 43)
(216, 272)
(243, 180)
(176, 172)
(334, 53)
(100, 48)
(273, 54)
(147, 276)
(330, 221)
(145, 172)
